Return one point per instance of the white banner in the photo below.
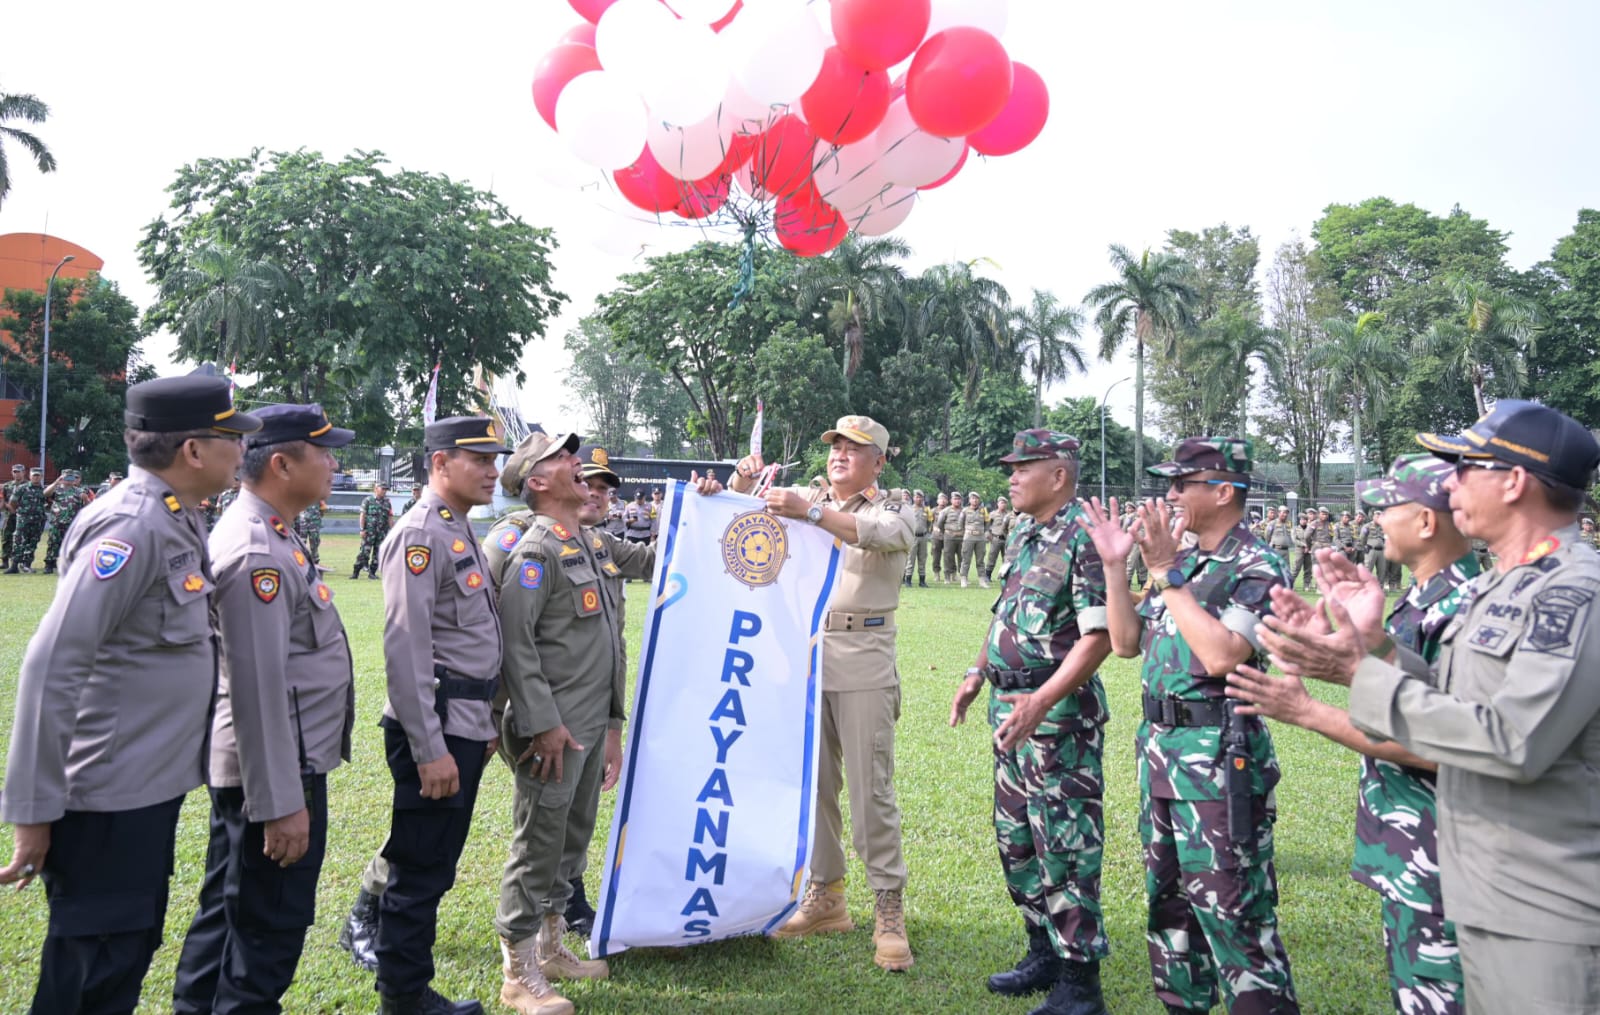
(712, 830)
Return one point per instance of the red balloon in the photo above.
(727, 19)
(782, 158)
(555, 69)
(1022, 119)
(647, 187)
(947, 177)
(702, 197)
(958, 82)
(846, 102)
(740, 148)
(590, 10)
(581, 34)
(806, 225)
(877, 34)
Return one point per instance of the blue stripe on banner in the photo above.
(807, 765)
(646, 668)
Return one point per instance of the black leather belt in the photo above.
(1185, 712)
(1019, 680)
(448, 685)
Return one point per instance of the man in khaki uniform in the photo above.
(955, 526)
(1000, 521)
(114, 700)
(860, 685)
(921, 517)
(1510, 712)
(286, 703)
(974, 526)
(936, 534)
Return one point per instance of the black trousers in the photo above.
(106, 881)
(425, 842)
(246, 937)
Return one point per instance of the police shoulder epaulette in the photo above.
(446, 513)
(172, 502)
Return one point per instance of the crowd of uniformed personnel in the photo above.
(1473, 702)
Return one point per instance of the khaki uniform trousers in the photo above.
(858, 730)
(952, 557)
(1512, 974)
(918, 558)
(971, 550)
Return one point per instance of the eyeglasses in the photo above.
(1484, 464)
(1178, 483)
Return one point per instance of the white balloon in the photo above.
(775, 49)
(745, 113)
(884, 213)
(627, 40)
(690, 77)
(849, 176)
(601, 120)
(692, 152)
(701, 12)
(989, 15)
(909, 155)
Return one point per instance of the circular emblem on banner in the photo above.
(754, 547)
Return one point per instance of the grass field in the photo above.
(961, 923)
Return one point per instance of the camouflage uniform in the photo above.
(375, 521)
(308, 526)
(9, 532)
(65, 504)
(1048, 790)
(209, 512)
(227, 497)
(28, 502)
(1213, 903)
(1001, 522)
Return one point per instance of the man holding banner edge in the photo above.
(1048, 710)
(860, 684)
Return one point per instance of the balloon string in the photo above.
(747, 267)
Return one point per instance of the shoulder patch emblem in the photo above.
(417, 558)
(278, 526)
(457, 546)
(266, 582)
(474, 580)
(508, 539)
(589, 602)
(1555, 617)
(193, 583)
(109, 557)
(444, 513)
(532, 575)
(173, 504)
(560, 531)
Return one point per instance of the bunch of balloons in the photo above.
(793, 114)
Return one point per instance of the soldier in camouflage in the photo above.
(1397, 849)
(227, 497)
(1048, 709)
(1588, 533)
(416, 495)
(66, 497)
(28, 502)
(8, 533)
(974, 523)
(376, 518)
(1206, 776)
(308, 526)
(1001, 521)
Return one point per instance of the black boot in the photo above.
(1037, 970)
(355, 572)
(906, 581)
(373, 573)
(923, 581)
(579, 915)
(360, 934)
(429, 1002)
(1076, 991)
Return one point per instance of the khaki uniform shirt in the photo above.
(114, 698)
(1000, 523)
(438, 608)
(563, 629)
(1511, 714)
(947, 522)
(858, 643)
(921, 519)
(974, 523)
(286, 701)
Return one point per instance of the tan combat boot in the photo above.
(821, 911)
(525, 990)
(556, 961)
(889, 932)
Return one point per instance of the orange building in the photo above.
(26, 261)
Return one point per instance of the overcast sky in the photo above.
(1163, 115)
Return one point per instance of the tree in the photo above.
(609, 383)
(983, 428)
(1361, 364)
(94, 336)
(1080, 417)
(1563, 368)
(27, 109)
(968, 312)
(228, 315)
(796, 413)
(1047, 333)
(1152, 295)
(387, 273)
(1487, 340)
(1300, 398)
(860, 280)
(1224, 350)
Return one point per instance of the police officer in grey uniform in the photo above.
(1510, 712)
(441, 650)
(114, 700)
(285, 708)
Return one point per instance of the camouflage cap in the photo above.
(860, 430)
(1208, 454)
(1412, 479)
(535, 448)
(1545, 442)
(1040, 444)
(597, 463)
(70, 474)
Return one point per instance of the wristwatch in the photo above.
(814, 514)
(1173, 579)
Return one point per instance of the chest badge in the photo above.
(474, 580)
(299, 558)
(323, 592)
(193, 583)
(457, 546)
(590, 602)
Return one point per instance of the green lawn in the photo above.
(961, 923)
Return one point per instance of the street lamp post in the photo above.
(44, 383)
(1103, 400)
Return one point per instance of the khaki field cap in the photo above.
(535, 448)
(861, 430)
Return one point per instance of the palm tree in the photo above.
(968, 309)
(859, 276)
(1225, 349)
(1047, 333)
(28, 109)
(1363, 365)
(1149, 300)
(1492, 339)
(226, 303)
